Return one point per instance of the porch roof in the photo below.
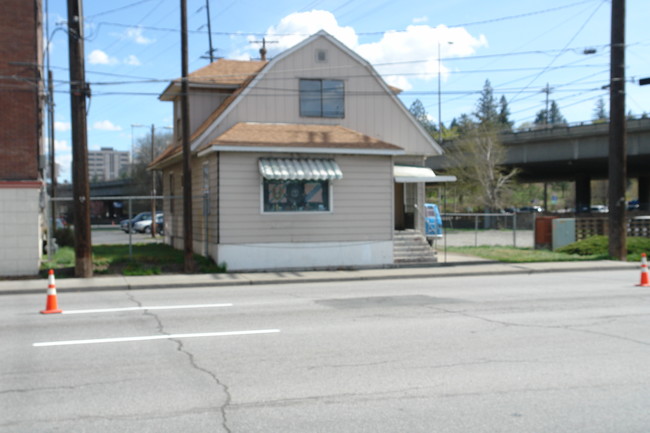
(294, 138)
(409, 174)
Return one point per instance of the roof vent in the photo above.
(321, 56)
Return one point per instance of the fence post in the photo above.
(476, 230)
(130, 226)
(514, 229)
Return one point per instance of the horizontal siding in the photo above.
(361, 205)
(369, 109)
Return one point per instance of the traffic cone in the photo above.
(51, 307)
(645, 282)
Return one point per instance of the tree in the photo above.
(486, 107)
(600, 112)
(504, 115)
(552, 117)
(477, 161)
(141, 178)
(420, 113)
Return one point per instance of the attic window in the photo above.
(321, 56)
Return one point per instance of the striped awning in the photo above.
(299, 169)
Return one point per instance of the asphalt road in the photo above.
(557, 352)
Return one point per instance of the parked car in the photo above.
(599, 208)
(432, 221)
(124, 224)
(144, 226)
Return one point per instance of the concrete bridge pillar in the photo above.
(644, 192)
(583, 193)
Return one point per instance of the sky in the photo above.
(440, 52)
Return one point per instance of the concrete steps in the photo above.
(411, 247)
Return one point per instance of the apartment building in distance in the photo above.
(107, 164)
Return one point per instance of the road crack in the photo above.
(575, 328)
(180, 347)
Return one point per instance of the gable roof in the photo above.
(303, 138)
(321, 34)
(243, 76)
(222, 73)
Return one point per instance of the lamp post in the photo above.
(439, 92)
(153, 173)
(133, 125)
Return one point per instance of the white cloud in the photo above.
(417, 44)
(98, 57)
(63, 159)
(61, 146)
(132, 60)
(303, 24)
(61, 126)
(106, 125)
(135, 34)
(420, 20)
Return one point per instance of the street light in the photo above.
(439, 91)
(133, 125)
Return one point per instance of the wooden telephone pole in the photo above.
(187, 152)
(617, 136)
(79, 90)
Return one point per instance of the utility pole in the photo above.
(617, 135)
(50, 124)
(79, 90)
(547, 90)
(207, 7)
(187, 154)
(153, 184)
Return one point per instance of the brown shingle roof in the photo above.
(226, 72)
(221, 73)
(284, 135)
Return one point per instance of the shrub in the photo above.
(64, 237)
(599, 245)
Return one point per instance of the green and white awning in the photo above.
(299, 169)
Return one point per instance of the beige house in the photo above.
(306, 161)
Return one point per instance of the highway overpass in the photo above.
(576, 153)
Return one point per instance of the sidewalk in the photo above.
(455, 265)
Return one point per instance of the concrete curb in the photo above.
(124, 283)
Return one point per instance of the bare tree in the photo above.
(477, 161)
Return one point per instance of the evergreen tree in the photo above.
(600, 112)
(554, 115)
(551, 117)
(504, 115)
(486, 107)
(420, 113)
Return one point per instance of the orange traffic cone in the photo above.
(51, 306)
(645, 282)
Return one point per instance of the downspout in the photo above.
(218, 234)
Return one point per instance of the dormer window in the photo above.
(322, 98)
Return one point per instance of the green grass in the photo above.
(520, 255)
(593, 248)
(148, 259)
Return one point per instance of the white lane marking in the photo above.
(162, 307)
(154, 337)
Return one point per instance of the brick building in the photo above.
(21, 138)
